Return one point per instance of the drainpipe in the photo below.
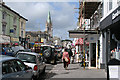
(117, 52)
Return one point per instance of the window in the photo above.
(110, 4)
(21, 33)
(4, 15)
(14, 20)
(27, 58)
(6, 68)
(3, 29)
(15, 31)
(15, 66)
(21, 65)
(21, 25)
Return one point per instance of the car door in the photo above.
(11, 70)
(24, 73)
(8, 71)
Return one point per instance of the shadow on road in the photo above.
(72, 68)
(47, 76)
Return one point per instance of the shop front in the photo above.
(4, 41)
(111, 35)
(14, 41)
(92, 50)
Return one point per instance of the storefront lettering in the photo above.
(114, 15)
(4, 39)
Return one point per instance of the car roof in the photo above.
(6, 58)
(31, 53)
(48, 45)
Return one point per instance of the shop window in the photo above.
(3, 29)
(118, 1)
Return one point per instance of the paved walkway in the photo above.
(75, 71)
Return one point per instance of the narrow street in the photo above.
(74, 71)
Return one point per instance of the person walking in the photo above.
(65, 59)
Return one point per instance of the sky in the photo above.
(63, 15)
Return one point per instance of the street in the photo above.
(47, 74)
(74, 71)
(83, 34)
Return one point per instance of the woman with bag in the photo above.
(66, 59)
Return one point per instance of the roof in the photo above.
(48, 45)
(49, 18)
(3, 5)
(5, 58)
(31, 53)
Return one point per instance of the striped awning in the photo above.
(80, 42)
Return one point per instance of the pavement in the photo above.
(74, 71)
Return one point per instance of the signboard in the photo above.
(92, 38)
(77, 35)
(4, 39)
(15, 39)
(114, 72)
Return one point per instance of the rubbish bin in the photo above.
(113, 70)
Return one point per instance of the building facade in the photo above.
(36, 36)
(10, 23)
(109, 26)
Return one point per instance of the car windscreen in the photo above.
(26, 57)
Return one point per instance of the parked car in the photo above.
(33, 60)
(13, 68)
(7, 51)
(48, 53)
(17, 49)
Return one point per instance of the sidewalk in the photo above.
(75, 71)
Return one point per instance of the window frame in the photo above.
(12, 66)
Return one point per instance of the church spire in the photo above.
(49, 18)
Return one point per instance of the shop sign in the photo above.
(92, 38)
(114, 15)
(4, 39)
(15, 39)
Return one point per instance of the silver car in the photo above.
(13, 68)
(33, 60)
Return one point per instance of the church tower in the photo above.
(49, 28)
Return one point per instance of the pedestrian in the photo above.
(70, 53)
(65, 58)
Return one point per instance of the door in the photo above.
(12, 69)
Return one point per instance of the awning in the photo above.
(81, 33)
(80, 42)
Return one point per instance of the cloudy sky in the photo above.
(63, 15)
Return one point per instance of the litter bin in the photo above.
(113, 70)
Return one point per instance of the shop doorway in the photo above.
(93, 56)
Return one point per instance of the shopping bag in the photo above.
(66, 59)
